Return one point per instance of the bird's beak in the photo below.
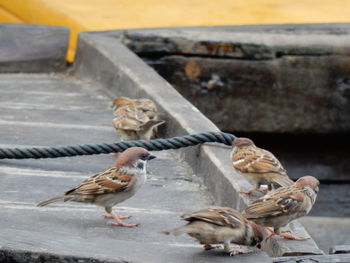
(150, 157)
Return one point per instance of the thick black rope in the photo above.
(89, 149)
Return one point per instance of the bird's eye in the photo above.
(144, 157)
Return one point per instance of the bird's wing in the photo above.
(112, 180)
(147, 106)
(129, 118)
(283, 201)
(256, 160)
(221, 216)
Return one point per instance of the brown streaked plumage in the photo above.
(258, 165)
(281, 206)
(113, 185)
(135, 118)
(220, 225)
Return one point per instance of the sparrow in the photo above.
(220, 225)
(112, 186)
(281, 206)
(258, 165)
(135, 118)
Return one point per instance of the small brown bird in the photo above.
(258, 165)
(279, 207)
(113, 185)
(220, 225)
(135, 118)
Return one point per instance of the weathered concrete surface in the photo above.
(114, 71)
(276, 81)
(342, 258)
(285, 95)
(80, 111)
(328, 231)
(134, 78)
(333, 201)
(340, 249)
(246, 45)
(29, 48)
(326, 156)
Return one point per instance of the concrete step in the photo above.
(32, 107)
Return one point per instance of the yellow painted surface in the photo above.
(8, 17)
(82, 15)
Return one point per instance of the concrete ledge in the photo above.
(29, 48)
(120, 71)
(339, 258)
(11, 255)
(251, 70)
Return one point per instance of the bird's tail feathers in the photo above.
(53, 200)
(176, 231)
(151, 124)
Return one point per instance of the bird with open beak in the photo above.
(112, 186)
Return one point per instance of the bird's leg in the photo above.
(209, 247)
(272, 232)
(285, 231)
(289, 236)
(251, 191)
(110, 216)
(117, 218)
(233, 252)
(263, 190)
(121, 223)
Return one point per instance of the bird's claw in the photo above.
(209, 247)
(238, 252)
(124, 225)
(290, 237)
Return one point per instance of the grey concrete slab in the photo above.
(19, 115)
(77, 230)
(166, 179)
(72, 231)
(333, 201)
(37, 133)
(134, 78)
(319, 28)
(239, 44)
(340, 249)
(82, 164)
(29, 48)
(342, 258)
(256, 67)
(328, 231)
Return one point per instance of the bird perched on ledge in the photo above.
(215, 225)
(279, 207)
(258, 165)
(113, 185)
(135, 118)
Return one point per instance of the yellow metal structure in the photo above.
(82, 15)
